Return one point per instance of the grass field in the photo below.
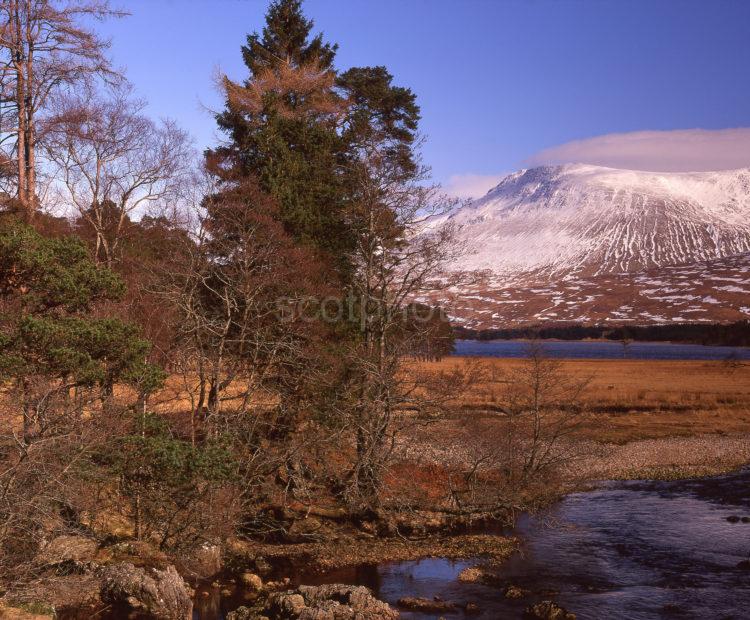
(643, 418)
(638, 399)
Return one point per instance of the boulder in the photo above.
(515, 592)
(473, 574)
(163, 594)
(244, 613)
(479, 574)
(251, 581)
(277, 585)
(547, 610)
(328, 602)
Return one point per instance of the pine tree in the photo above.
(282, 127)
(286, 37)
(51, 339)
(298, 127)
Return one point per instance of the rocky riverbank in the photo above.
(80, 576)
(666, 458)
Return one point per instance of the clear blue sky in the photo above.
(497, 80)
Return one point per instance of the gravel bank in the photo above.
(669, 457)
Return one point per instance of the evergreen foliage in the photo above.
(167, 479)
(45, 275)
(49, 287)
(298, 128)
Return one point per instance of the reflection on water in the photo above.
(599, 349)
(645, 550)
(630, 550)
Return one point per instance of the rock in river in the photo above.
(515, 592)
(547, 610)
(251, 581)
(163, 594)
(328, 602)
(426, 606)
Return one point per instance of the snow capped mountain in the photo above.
(592, 244)
(592, 220)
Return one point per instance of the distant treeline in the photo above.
(730, 334)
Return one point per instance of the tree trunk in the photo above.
(30, 140)
(28, 412)
(19, 65)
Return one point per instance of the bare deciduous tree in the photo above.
(397, 259)
(112, 161)
(44, 49)
(517, 459)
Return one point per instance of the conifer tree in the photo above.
(299, 126)
(51, 340)
(286, 37)
(282, 127)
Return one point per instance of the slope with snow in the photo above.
(588, 219)
(592, 244)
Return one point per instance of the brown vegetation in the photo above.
(629, 400)
(642, 418)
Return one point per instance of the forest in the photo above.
(197, 347)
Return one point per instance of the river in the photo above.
(600, 349)
(631, 550)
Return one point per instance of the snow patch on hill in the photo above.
(583, 219)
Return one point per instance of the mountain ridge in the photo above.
(591, 219)
(632, 240)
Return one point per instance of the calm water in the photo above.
(597, 349)
(628, 550)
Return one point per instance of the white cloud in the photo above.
(681, 150)
(471, 185)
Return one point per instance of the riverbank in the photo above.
(325, 556)
(584, 553)
(640, 420)
(342, 559)
(666, 458)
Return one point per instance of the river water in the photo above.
(630, 550)
(600, 349)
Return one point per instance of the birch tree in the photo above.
(111, 162)
(45, 48)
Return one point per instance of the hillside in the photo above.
(591, 244)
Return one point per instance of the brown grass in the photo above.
(638, 399)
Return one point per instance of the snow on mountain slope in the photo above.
(591, 220)
(591, 244)
(702, 292)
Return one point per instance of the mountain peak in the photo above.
(584, 243)
(591, 219)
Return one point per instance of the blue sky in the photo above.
(499, 81)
